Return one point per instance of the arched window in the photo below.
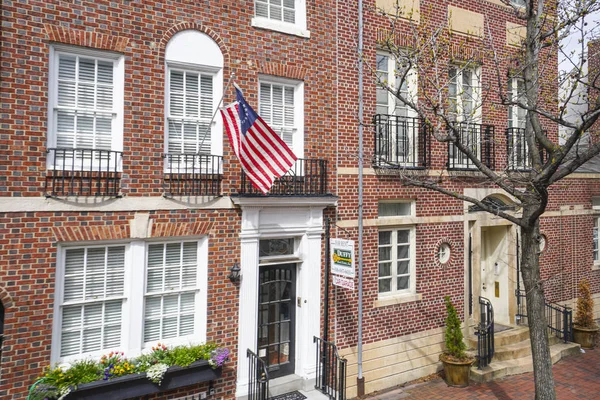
(194, 86)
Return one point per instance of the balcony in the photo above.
(192, 175)
(477, 137)
(307, 177)
(401, 142)
(83, 172)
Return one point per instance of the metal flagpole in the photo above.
(216, 111)
(360, 380)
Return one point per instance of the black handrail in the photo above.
(331, 370)
(477, 137)
(258, 377)
(401, 142)
(517, 150)
(559, 317)
(83, 172)
(192, 174)
(307, 177)
(485, 333)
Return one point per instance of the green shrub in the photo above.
(455, 346)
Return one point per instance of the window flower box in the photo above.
(134, 385)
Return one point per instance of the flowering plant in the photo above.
(58, 381)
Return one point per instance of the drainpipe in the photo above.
(360, 380)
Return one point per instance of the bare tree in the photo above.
(523, 81)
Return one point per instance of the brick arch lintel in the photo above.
(189, 25)
(91, 39)
(5, 299)
(282, 70)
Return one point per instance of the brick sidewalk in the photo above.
(576, 377)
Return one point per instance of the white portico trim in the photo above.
(267, 218)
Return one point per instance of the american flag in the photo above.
(263, 154)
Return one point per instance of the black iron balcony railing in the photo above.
(307, 177)
(477, 137)
(517, 150)
(401, 142)
(83, 172)
(192, 174)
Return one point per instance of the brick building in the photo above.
(123, 208)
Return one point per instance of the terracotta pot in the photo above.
(585, 336)
(457, 372)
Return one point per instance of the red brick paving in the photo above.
(576, 377)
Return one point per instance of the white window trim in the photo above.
(118, 93)
(413, 208)
(132, 343)
(514, 94)
(216, 129)
(298, 28)
(476, 118)
(411, 82)
(409, 294)
(298, 140)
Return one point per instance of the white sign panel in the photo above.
(342, 257)
(346, 283)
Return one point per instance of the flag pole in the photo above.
(216, 110)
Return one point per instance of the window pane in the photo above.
(403, 251)
(385, 269)
(385, 238)
(386, 209)
(385, 285)
(403, 236)
(403, 283)
(385, 253)
(403, 267)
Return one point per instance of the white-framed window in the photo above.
(129, 296)
(85, 104)
(281, 106)
(287, 16)
(464, 107)
(517, 120)
(396, 261)
(189, 111)
(517, 116)
(518, 3)
(464, 94)
(390, 208)
(193, 88)
(396, 124)
(389, 72)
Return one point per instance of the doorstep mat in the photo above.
(295, 395)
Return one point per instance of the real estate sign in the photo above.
(342, 257)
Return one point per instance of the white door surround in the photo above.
(268, 218)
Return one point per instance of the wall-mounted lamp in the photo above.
(234, 274)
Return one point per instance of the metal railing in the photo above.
(258, 377)
(559, 318)
(331, 370)
(83, 172)
(479, 138)
(307, 177)
(401, 142)
(485, 333)
(192, 174)
(517, 150)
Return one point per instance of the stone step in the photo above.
(501, 368)
(510, 336)
(514, 350)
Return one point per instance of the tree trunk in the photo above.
(538, 331)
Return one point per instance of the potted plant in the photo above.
(457, 363)
(116, 377)
(584, 327)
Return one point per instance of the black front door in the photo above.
(276, 318)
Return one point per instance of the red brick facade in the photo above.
(30, 237)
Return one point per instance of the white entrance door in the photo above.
(495, 270)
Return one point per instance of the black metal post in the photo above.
(326, 324)
(470, 277)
